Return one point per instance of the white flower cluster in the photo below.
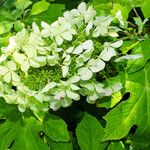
(57, 47)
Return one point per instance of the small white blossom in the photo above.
(81, 15)
(85, 46)
(65, 59)
(102, 24)
(26, 60)
(60, 30)
(8, 72)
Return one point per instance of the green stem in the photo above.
(136, 13)
(125, 38)
(132, 24)
(39, 118)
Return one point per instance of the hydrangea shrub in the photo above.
(55, 64)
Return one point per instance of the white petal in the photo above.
(66, 26)
(136, 56)
(82, 8)
(35, 27)
(59, 40)
(3, 70)
(15, 77)
(78, 50)
(59, 49)
(45, 33)
(99, 88)
(67, 60)
(65, 70)
(59, 95)
(48, 87)
(3, 58)
(89, 27)
(117, 87)
(80, 61)
(18, 57)
(91, 62)
(10, 98)
(100, 31)
(87, 44)
(89, 86)
(70, 50)
(22, 101)
(62, 20)
(74, 79)
(66, 102)
(55, 105)
(34, 64)
(55, 24)
(113, 34)
(128, 57)
(11, 65)
(92, 99)
(108, 91)
(45, 25)
(72, 95)
(12, 45)
(87, 55)
(39, 97)
(67, 36)
(74, 87)
(98, 66)
(41, 60)
(30, 51)
(73, 31)
(75, 12)
(52, 60)
(108, 53)
(7, 77)
(67, 15)
(96, 32)
(25, 66)
(117, 44)
(85, 73)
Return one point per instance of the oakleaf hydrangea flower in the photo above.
(8, 72)
(52, 67)
(60, 30)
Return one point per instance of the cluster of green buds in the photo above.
(51, 67)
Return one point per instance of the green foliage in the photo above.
(60, 145)
(28, 132)
(39, 7)
(116, 145)
(56, 129)
(18, 132)
(120, 121)
(142, 48)
(89, 133)
(145, 8)
(27, 137)
(49, 16)
(129, 113)
(124, 11)
(22, 4)
(5, 26)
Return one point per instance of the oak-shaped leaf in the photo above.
(134, 111)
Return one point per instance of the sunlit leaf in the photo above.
(39, 7)
(89, 133)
